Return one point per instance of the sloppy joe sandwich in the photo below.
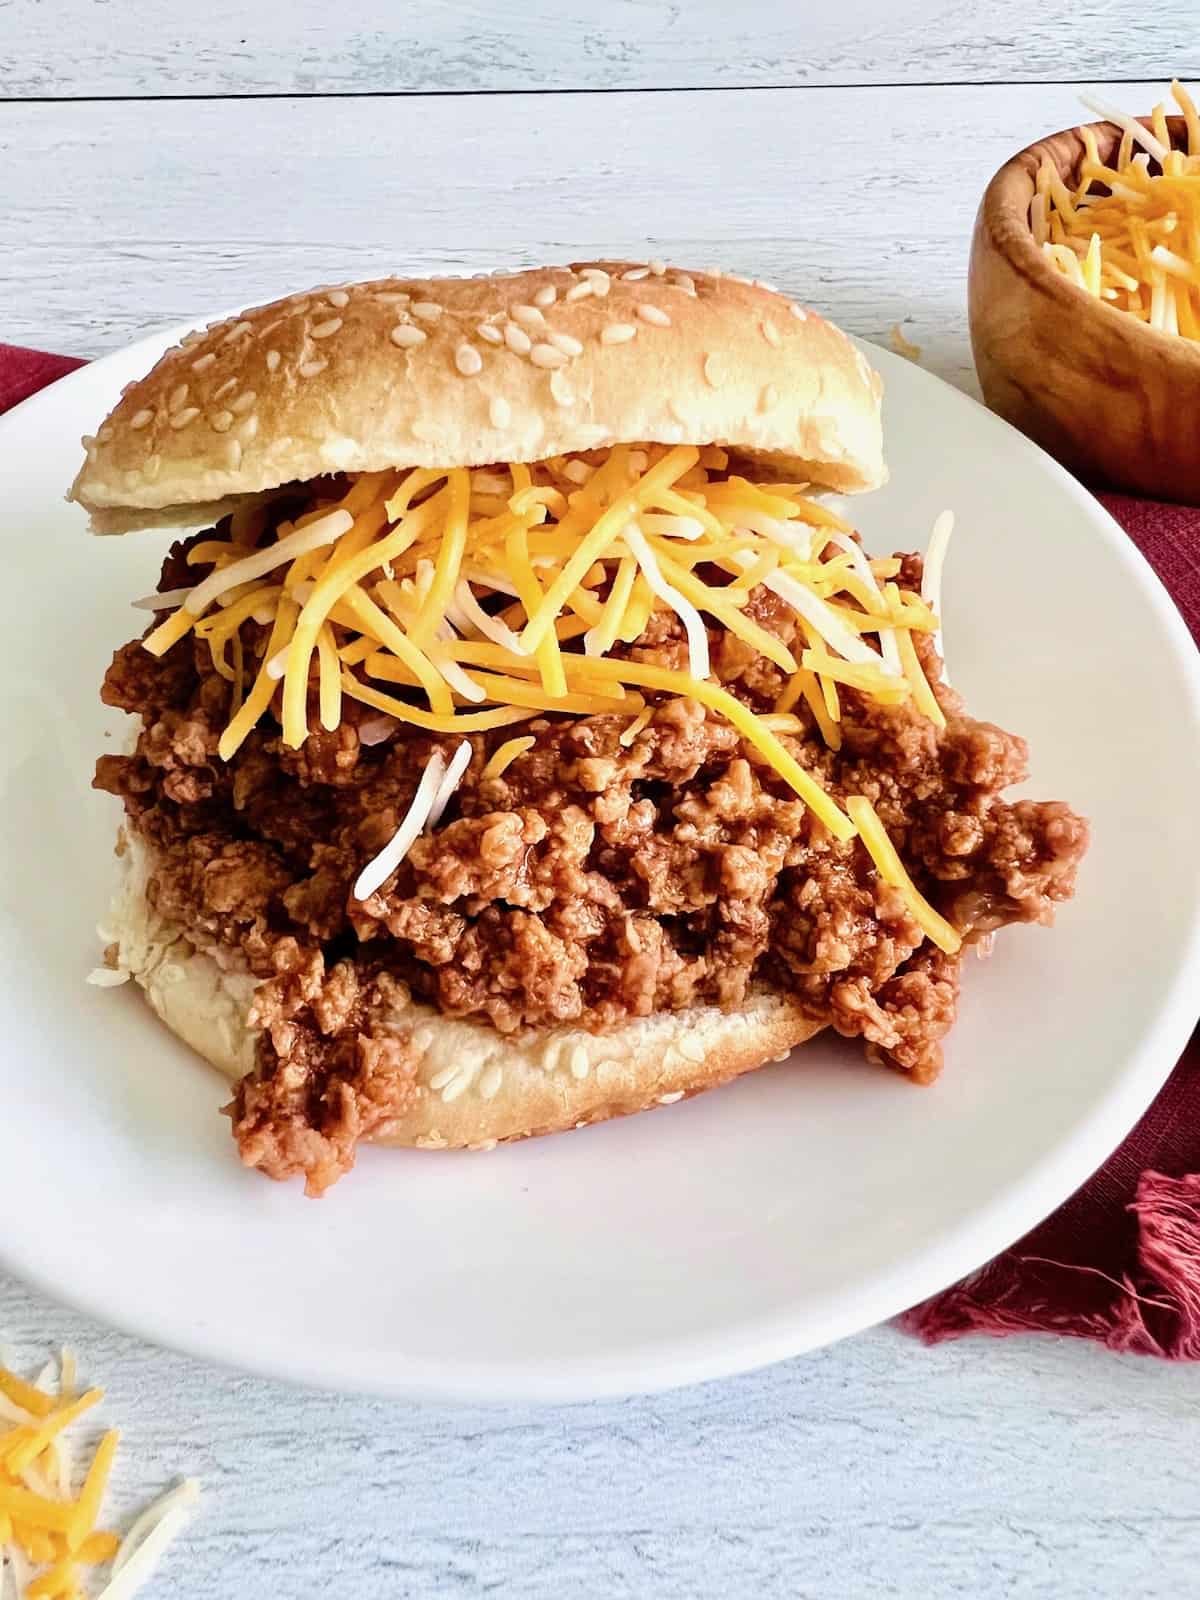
(521, 741)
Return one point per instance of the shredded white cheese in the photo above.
(693, 622)
(326, 530)
(378, 871)
(146, 1542)
(459, 762)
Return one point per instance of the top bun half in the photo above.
(462, 372)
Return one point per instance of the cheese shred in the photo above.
(891, 869)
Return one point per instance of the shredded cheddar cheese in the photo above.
(503, 757)
(461, 602)
(891, 869)
(1126, 233)
(48, 1533)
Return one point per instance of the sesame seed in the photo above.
(658, 267)
(243, 403)
(489, 1082)
(237, 331)
(227, 387)
(635, 274)
(310, 369)
(174, 403)
(770, 333)
(427, 310)
(388, 297)
(561, 389)
(670, 1099)
(761, 283)
(566, 343)
(714, 371)
(546, 296)
(272, 360)
(338, 298)
(687, 284)
(233, 453)
(299, 301)
(151, 467)
(500, 412)
(221, 421)
(247, 428)
(798, 312)
(618, 333)
(579, 1061)
(456, 1087)
(444, 1076)
(141, 419)
(182, 418)
(654, 314)
(517, 339)
(468, 360)
(405, 335)
(545, 355)
(599, 280)
(88, 441)
(769, 398)
(202, 363)
(489, 331)
(325, 330)
(104, 433)
(580, 291)
(529, 315)
(421, 1039)
(690, 1048)
(198, 335)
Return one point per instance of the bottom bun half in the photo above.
(474, 1086)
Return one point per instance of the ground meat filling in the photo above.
(588, 883)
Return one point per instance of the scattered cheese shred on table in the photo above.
(902, 346)
(1129, 232)
(49, 1539)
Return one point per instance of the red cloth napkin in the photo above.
(1120, 1261)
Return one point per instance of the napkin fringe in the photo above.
(1153, 1312)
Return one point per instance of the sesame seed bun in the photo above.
(460, 372)
(490, 1086)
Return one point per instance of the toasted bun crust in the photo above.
(549, 1080)
(397, 373)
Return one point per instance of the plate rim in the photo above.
(742, 1346)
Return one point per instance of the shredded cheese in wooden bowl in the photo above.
(459, 601)
(1129, 232)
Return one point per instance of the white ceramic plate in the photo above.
(793, 1207)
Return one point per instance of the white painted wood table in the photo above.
(160, 159)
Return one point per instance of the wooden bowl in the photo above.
(1114, 400)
